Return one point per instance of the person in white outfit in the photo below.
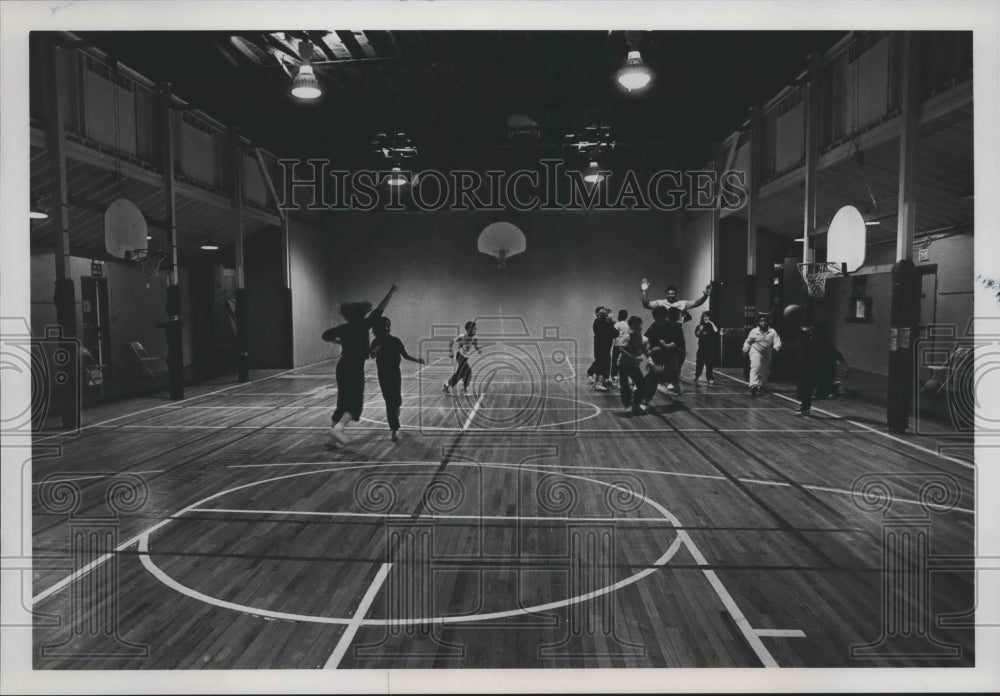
(761, 342)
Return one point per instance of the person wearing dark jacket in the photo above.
(708, 342)
(818, 360)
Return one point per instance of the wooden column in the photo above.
(173, 326)
(904, 314)
(65, 291)
(812, 133)
(286, 265)
(753, 192)
(242, 353)
(718, 164)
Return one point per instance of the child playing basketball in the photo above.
(387, 351)
(354, 345)
(818, 360)
(708, 339)
(666, 340)
(461, 348)
(621, 326)
(630, 355)
(761, 342)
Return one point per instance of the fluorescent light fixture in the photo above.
(305, 85)
(209, 245)
(635, 75)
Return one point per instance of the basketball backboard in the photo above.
(845, 241)
(125, 229)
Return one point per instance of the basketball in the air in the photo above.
(793, 313)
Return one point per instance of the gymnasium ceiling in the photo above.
(452, 91)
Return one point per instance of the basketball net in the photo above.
(149, 262)
(815, 275)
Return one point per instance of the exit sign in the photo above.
(96, 269)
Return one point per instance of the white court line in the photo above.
(446, 429)
(779, 633)
(612, 469)
(352, 628)
(153, 408)
(871, 429)
(96, 476)
(400, 515)
(472, 415)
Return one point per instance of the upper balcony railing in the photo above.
(859, 89)
(112, 109)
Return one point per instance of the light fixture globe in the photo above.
(594, 175)
(635, 75)
(396, 178)
(305, 85)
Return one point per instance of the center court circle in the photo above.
(148, 563)
(463, 409)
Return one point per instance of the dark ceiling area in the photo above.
(453, 91)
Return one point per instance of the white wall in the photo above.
(312, 279)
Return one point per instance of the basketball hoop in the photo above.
(149, 262)
(815, 275)
(502, 240)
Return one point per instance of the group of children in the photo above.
(662, 350)
(622, 349)
(388, 351)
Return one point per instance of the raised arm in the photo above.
(701, 300)
(645, 293)
(385, 300)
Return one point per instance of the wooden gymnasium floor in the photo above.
(531, 524)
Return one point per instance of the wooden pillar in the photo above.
(904, 314)
(753, 192)
(812, 133)
(286, 265)
(173, 326)
(286, 288)
(242, 353)
(718, 164)
(65, 291)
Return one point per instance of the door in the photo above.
(928, 314)
(96, 331)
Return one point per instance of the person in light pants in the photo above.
(761, 343)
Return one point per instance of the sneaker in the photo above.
(335, 437)
(465, 392)
(446, 389)
(600, 387)
(695, 380)
(754, 390)
(640, 409)
(590, 378)
(395, 436)
(802, 412)
(670, 388)
(711, 382)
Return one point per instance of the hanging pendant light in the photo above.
(396, 178)
(36, 212)
(593, 174)
(634, 75)
(305, 85)
(208, 245)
